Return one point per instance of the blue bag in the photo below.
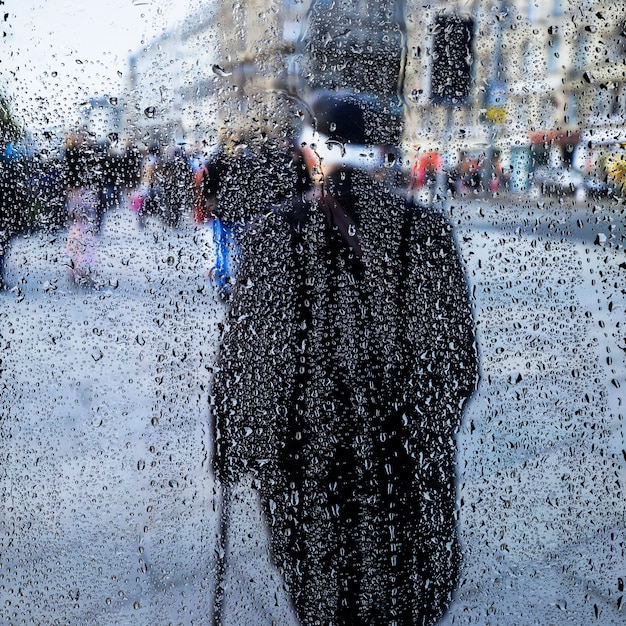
(226, 255)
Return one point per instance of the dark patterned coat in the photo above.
(340, 385)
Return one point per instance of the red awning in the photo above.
(558, 137)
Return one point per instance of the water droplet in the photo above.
(150, 112)
(220, 71)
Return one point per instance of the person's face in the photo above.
(317, 167)
(313, 164)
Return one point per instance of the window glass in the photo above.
(312, 312)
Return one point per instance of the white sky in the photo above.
(58, 53)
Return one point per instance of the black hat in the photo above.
(356, 118)
(340, 119)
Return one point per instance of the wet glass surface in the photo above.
(312, 312)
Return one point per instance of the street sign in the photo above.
(452, 59)
(495, 115)
(495, 101)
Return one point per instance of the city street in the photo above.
(109, 508)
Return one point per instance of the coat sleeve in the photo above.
(256, 361)
(440, 348)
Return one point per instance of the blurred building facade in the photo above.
(547, 79)
(254, 50)
(546, 76)
(171, 89)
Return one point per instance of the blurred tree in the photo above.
(16, 214)
(9, 128)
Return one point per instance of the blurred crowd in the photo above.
(74, 185)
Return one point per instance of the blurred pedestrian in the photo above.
(50, 187)
(130, 169)
(83, 178)
(177, 183)
(14, 197)
(203, 199)
(468, 178)
(346, 360)
(424, 175)
(148, 197)
(236, 185)
(112, 174)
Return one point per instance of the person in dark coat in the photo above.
(345, 363)
(237, 183)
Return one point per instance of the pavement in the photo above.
(109, 508)
(542, 461)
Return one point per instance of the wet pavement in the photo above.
(542, 449)
(109, 508)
